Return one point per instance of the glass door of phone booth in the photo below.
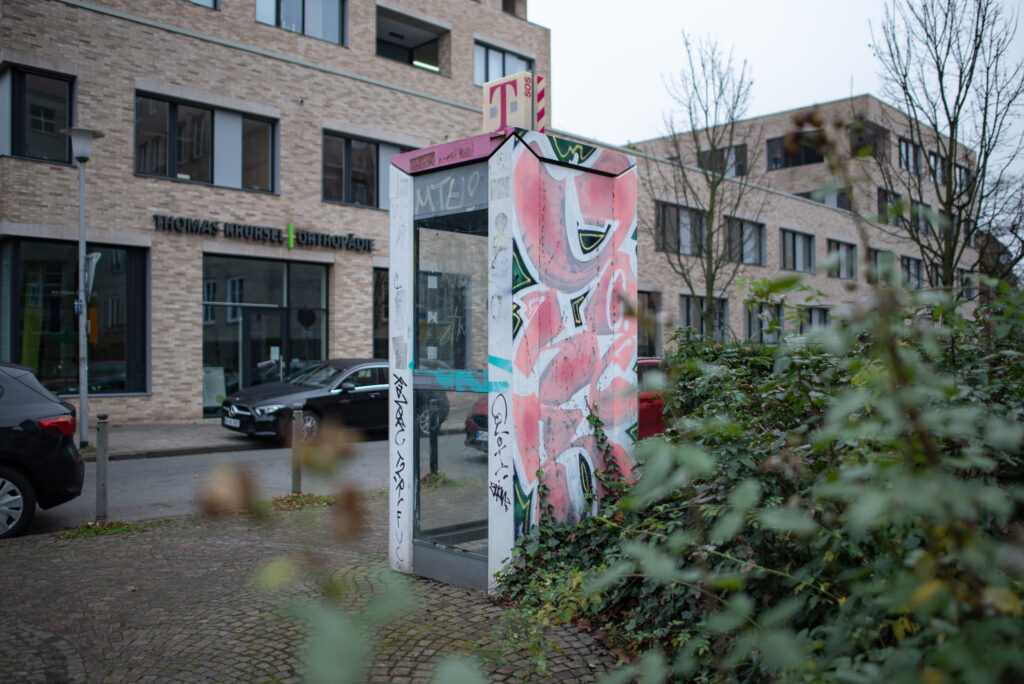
(449, 377)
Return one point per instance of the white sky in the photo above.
(610, 57)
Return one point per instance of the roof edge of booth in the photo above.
(563, 152)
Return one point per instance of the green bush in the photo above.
(844, 507)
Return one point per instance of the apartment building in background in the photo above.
(237, 205)
(792, 217)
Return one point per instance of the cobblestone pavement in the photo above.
(176, 601)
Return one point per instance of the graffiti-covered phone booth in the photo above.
(513, 266)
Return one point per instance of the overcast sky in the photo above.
(609, 58)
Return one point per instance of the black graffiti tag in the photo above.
(398, 477)
(500, 433)
(500, 495)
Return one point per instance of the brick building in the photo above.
(237, 205)
(792, 217)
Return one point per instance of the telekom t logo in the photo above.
(504, 100)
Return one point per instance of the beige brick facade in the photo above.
(225, 59)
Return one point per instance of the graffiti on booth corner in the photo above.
(502, 476)
(398, 477)
(574, 346)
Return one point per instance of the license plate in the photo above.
(481, 435)
(231, 422)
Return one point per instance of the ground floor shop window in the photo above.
(380, 313)
(263, 320)
(38, 325)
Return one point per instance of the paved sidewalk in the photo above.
(145, 440)
(175, 601)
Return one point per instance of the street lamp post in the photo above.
(81, 147)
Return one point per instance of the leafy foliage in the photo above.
(846, 506)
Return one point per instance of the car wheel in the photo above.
(310, 426)
(17, 503)
(427, 421)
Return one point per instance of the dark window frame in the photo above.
(137, 301)
(734, 247)
(347, 192)
(758, 333)
(788, 236)
(342, 30)
(778, 157)
(172, 138)
(271, 153)
(668, 238)
(18, 122)
(487, 62)
(719, 165)
(848, 258)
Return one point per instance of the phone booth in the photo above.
(512, 285)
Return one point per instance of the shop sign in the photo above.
(289, 236)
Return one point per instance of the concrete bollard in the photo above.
(296, 448)
(101, 467)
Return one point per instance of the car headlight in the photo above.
(269, 409)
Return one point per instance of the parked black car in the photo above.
(353, 392)
(39, 462)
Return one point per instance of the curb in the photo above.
(181, 451)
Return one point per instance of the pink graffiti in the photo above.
(572, 353)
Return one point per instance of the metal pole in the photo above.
(83, 319)
(101, 467)
(296, 448)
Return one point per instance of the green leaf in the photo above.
(745, 495)
(781, 650)
(781, 613)
(793, 520)
(726, 527)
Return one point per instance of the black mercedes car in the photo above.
(39, 462)
(353, 392)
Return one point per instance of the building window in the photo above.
(257, 154)
(323, 19)
(963, 178)
(920, 218)
(797, 251)
(913, 272)
(937, 164)
(41, 107)
(163, 126)
(729, 163)
(678, 230)
(764, 323)
(745, 241)
(867, 139)
(349, 170)
(881, 260)
(889, 207)
(381, 312)
(846, 253)
(41, 329)
(966, 279)
(910, 156)
(783, 156)
(490, 63)
(812, 317)
(691, 316)
(409, 41)
(648, 333)
(212, 4)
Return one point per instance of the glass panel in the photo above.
(364, 173)
(265, 353)
(266, 12)
(46, 113)
(323, 19)
(479, 64)
(450, 361)
(514, 64)
(334, 168)
(257, 154)
(152, 126)
(426, 55)
(222, 339)
(307, 330)
(48, 328)
(380, 313)
(206, 3)
(291, 15)
(495, 64)
(194, 158)
(245, 281)
(307, 285)
(452, 429)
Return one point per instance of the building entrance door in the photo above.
(264, 344)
